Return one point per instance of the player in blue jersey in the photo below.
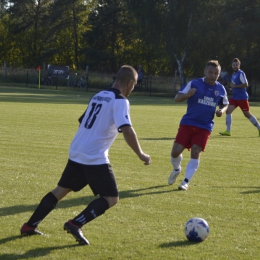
(239, 98)
(203, 95)
(108, 114)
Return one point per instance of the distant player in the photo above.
(106, 116)
(239, 98)
(203, 95)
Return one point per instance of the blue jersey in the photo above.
(239, 78)
(202, 105)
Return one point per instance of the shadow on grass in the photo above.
(69, 96)
(65, 95)
(12, 210)
(178, 244)
(255, 189)
(8, 239)
(84, 201)
(36, 252)
(160, 138)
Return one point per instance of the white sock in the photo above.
(229, 121)
(254, 121)
(191, 168)
(176, 162)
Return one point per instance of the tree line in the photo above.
(162, 35)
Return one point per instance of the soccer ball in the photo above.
(196, 229)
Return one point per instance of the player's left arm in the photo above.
(222, 109)
(223, 105)
(123, 121)
(132, 140)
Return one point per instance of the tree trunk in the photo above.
(76, 41)
(180, 68)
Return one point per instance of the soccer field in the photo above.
(37, 126)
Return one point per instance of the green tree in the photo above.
(4, 35)
(169, 25)
(66, 19)
(28, 30)
(243, 29)
(109, 39)
(161, 35)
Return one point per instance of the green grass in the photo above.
(37, 126)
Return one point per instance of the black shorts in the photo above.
(100, 178)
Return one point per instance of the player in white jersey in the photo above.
(239, 98)
(203, 96)
(107, 115)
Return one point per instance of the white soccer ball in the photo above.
(196, 229)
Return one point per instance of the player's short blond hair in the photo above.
(213, 63)
(126, 73)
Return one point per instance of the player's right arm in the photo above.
(183, 96)
(242, 80)
(233, 85)
(131, 139)
(185, 93)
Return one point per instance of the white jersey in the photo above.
(107, 112)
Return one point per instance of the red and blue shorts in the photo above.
(243, 104)
(189, 135)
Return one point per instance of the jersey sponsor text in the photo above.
(207, 101)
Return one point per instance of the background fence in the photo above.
(151, 85)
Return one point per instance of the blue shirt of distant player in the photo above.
(239, 78)
(202, 105)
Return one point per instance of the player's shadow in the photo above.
(154, 190)
(39, 252)
(8, 239)
(228, 139)
(250, 189)
(254, 189)
(85, 200)
(160, 138)
(177, 244)
(12, 210)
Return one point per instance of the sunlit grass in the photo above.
(37, 127)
